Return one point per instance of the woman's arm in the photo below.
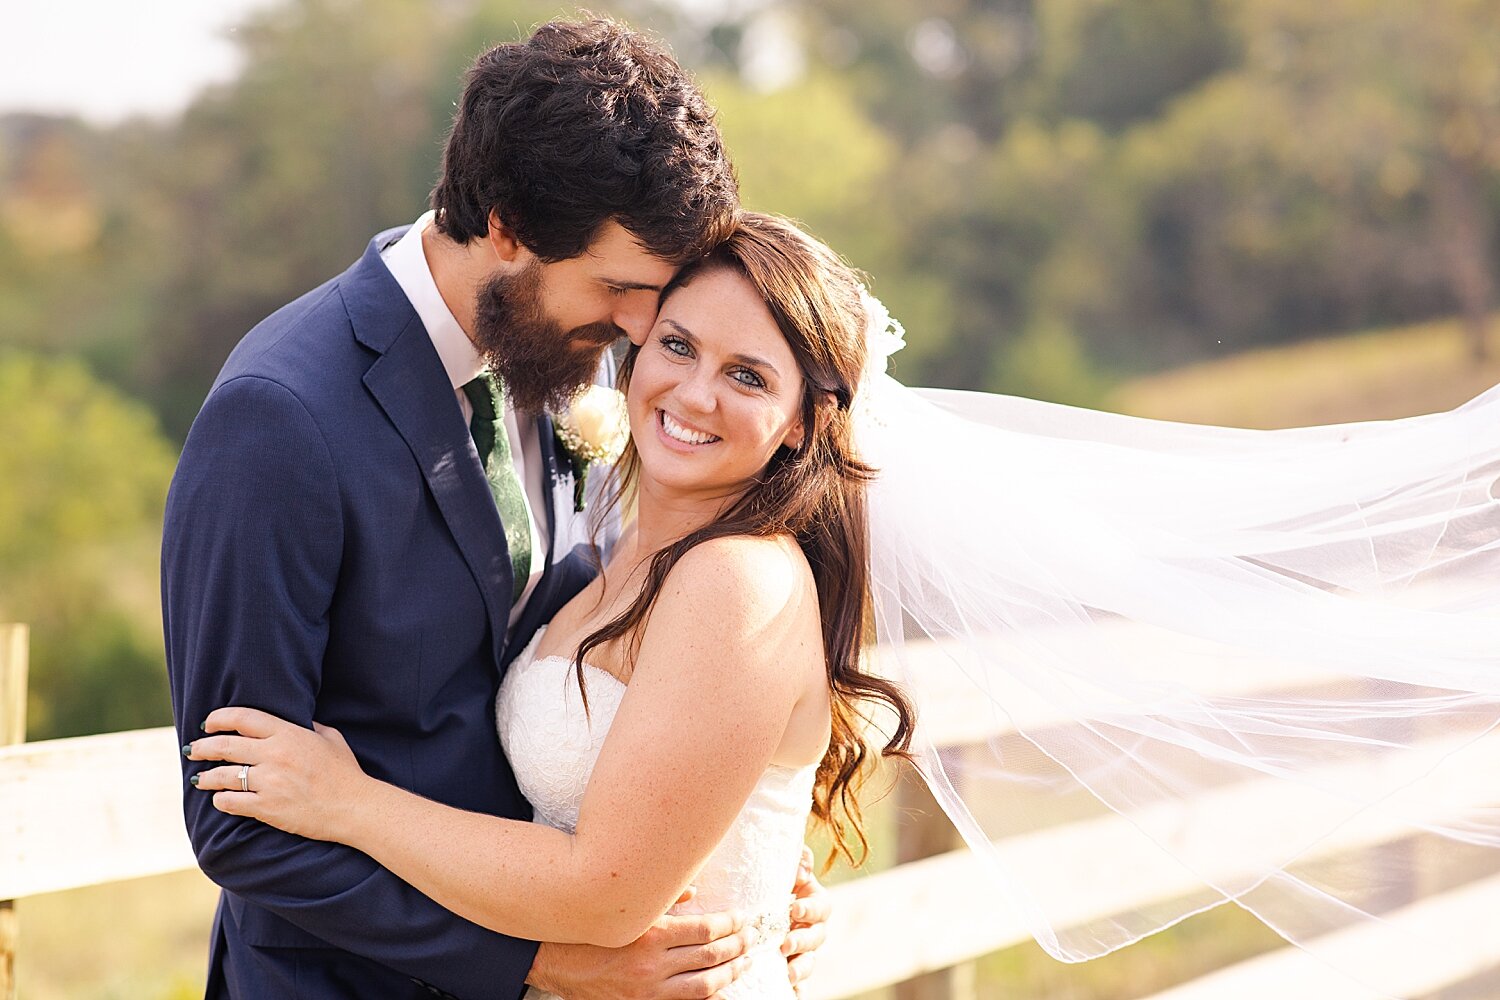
(721, 666)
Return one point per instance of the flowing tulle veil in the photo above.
(1270, 658)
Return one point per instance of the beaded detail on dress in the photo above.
(552, 745)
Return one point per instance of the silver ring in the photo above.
(244, 777)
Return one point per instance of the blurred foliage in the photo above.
(158, 955)
(83, 476)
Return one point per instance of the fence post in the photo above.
(924, 831)
(13, 653)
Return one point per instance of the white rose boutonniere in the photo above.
(594, 428)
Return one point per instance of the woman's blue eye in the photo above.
(750, 379)
(676, 345)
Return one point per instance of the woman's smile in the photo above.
(679, 432)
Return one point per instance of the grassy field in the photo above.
(147, 939)
(1369, 376)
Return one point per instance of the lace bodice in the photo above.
(552, 746)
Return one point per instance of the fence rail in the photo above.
(97, 809)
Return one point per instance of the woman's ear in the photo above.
(794, 436)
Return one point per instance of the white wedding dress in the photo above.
(552, 746)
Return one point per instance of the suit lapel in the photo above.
(410, 385)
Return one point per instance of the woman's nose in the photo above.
(695, 392)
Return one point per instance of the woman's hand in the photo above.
(302, 781)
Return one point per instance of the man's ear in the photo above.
(502, 240)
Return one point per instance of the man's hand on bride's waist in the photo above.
(682, 957)
(811, 906)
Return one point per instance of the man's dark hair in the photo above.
(584, 122)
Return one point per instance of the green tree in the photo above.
(53, 223)
(1431, 70)
(83, 479)
(1345, 173)
(1026, 235)
(922, 67)
(1117, 62)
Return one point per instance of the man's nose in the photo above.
(636, 319)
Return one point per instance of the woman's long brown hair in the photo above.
(815, 493)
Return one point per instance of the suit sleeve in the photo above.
(251, 553)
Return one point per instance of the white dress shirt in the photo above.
(408, 265)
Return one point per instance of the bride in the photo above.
(678, 719)
(1273, 654)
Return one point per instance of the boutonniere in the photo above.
(594, 428)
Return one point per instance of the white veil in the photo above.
(1268, 662)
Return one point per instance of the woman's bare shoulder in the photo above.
(749, 571)
(744, 612)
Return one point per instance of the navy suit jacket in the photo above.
(331, 551)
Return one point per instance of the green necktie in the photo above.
(488, 428)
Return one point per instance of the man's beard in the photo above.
(541, 365)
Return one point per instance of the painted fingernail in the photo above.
(203, 727)
(193, 781)
(187, 749)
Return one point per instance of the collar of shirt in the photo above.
(408, 265)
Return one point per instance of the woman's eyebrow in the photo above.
(754, 362)
(744, 359)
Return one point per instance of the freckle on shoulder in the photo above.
(762, 565)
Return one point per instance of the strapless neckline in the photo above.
(528, 656)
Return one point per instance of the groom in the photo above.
(362, 530)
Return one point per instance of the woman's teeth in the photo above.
(677, 432)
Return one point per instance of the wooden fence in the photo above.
(913, 924)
